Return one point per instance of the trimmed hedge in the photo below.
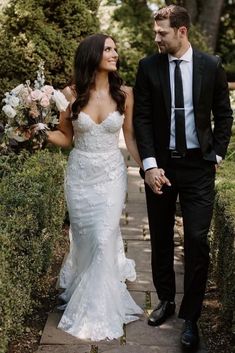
(31, 217)
(223, 235)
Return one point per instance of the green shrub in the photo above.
(48, 30)
(198, 39)
(223, 237)
(31, 217)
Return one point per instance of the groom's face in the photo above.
(168, 39)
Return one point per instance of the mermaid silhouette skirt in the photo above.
(93, 276)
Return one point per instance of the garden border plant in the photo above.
(31, 218)
(223, 236)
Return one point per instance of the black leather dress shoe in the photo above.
(190, 336)
(159, 315)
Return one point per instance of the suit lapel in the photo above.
(198, 64)
(165, 83)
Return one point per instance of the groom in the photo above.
(176, 92)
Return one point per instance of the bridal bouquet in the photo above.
(36, 107)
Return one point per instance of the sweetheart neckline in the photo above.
(93, 121)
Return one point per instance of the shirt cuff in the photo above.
(219, 159)
(149, 162)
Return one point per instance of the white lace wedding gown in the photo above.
(94, 273)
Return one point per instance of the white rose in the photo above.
(60, 101)
(17, 89)
(14, 134)
(7, 96)
(9, 111)
(13, 101)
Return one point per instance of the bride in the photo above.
(94, 273)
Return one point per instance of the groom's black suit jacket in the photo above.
(152, 110)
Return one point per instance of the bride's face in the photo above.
(110, 56)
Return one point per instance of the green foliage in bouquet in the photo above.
(48, 30)
(31, 217)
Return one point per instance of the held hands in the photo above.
(155, 178)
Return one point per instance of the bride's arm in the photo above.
(63, 137)
(128, 129)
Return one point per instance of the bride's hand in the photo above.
(155, 178)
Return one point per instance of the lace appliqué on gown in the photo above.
(94, 273)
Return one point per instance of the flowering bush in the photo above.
(26, 106)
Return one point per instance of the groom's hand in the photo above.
(155, 178)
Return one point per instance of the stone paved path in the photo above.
(138, 337)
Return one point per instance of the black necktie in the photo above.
(180, 139)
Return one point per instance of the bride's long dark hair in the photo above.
(86, 62)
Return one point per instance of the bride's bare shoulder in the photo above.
(127, 89)
(70, 93)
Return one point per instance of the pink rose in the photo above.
(27, 98)
(44, 102)
(36, 95)
(48, 90)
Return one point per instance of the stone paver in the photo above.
(138, 337)
(141, 252)
(165, 335)
(154, 300)
(140, 298)
(53, 335)
(130, 348)
(143, 282)
(134, 233)
(61, 349)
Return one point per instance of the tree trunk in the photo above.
(192, 7)
(209, 20)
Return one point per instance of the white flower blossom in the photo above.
(12, 134)
(28, 106)
(9, 111)
(60, 100)
(41, 126)
(17, 89)
(13, 101)
(7, 96)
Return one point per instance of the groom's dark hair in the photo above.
(177, 15)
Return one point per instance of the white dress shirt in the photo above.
(186, 67)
